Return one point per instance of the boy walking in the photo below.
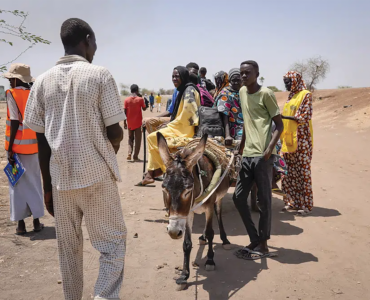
(151, 102)
(158, 100)
(134, 105)
(259, 108)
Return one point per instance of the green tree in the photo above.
(313, 70)
(169, 92)
(18, 31)
(125, 89)
(262, 79)
(162, 91)
(145, 91)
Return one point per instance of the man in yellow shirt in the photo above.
(158, 100)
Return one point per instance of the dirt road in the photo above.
(322, 256)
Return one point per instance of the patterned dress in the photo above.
(228, 103)
(297, 184)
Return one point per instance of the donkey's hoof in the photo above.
(227, 246)
(181, 287)
(202, 240)
(210, 267)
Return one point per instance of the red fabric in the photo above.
(133, 106)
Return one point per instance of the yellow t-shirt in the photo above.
(258, 110)
(158, 99)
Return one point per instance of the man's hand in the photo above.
(116, 148)
(229, 141)
(125, 124)
(48, 200)
(10, 157)
(267, 153)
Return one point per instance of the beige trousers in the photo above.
(100, 205)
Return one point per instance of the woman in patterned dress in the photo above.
(228, 104)
(297, 184)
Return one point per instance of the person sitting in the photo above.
(184, 120)
(228, 104)
(205, 82)
(206, 98)
(222, 81)
(161, 121)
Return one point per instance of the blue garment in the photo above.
(151, 99)
(172, 105)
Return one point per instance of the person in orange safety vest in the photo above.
(26, 196)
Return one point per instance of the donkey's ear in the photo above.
(163, 149)
(197, 153)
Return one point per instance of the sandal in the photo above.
(18, 232)
(288, 208)
(128, 157)
(278, 192)
(249, 254)
(41, 227)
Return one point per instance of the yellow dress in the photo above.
(178, 132)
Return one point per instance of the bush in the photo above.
(344, 87)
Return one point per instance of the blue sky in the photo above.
(142, 41)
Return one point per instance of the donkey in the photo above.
(181, 185)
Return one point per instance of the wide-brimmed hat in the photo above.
(20, 71)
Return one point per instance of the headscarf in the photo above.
(224, 82)
(298, 83)
(185, 82)
(234, 71)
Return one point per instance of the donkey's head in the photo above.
(178, 184)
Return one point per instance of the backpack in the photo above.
(210, 122)
(205, 97)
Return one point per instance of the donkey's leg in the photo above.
(202, 239)
(218, 210)
(210, 264)
(187, 245)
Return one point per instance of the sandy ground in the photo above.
(322, 256)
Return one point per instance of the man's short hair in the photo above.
(192, 65)
(134, 88)
(203, 70)
(74, 31)
(253, 63)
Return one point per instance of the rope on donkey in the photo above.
(217, 155)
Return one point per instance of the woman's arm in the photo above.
(304, 112)
(288, 118)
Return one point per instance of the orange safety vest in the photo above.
(25, 141)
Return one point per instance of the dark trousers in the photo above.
(134, 135)
(255, 169)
